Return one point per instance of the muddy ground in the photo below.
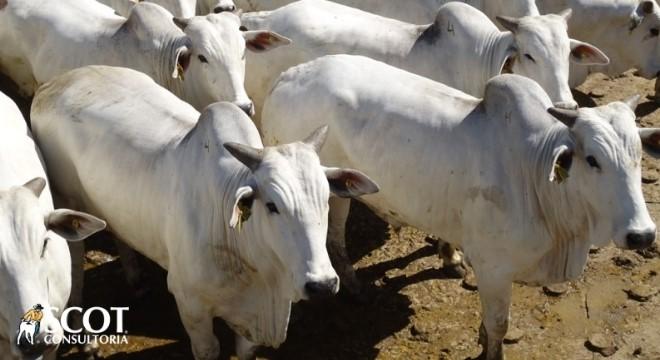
(415, 310)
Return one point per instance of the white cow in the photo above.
(462, 48)
(178, 8)
(201, 60)
(524, 195)
(412, 11)
(35, 265)
(240, 229)
(626, 30)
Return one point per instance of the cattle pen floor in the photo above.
(414, 310)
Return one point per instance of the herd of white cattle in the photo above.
(224, 140)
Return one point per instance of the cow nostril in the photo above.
(321, 289)
(637, 240)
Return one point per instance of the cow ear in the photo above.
(562, 161)
(260, 41)
(586, 54)
(36, 186)
(349, 183)
(242, 206)
(181, 62)
(650, 141)
(73, 225)
(509, 23)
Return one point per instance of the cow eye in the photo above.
(654, 32)
(242, 28)
(272, 208)
(202, 58)
(43, 249)
(528, 56)
(592, 162)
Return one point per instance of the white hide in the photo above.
(158, 172)
(476, 173)
(202, 64)
(626, 30)
(178, 8)
(462, 48)
(35, 265)
(412, 11)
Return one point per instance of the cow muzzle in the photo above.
(322, 289)
(247, 107)
(640, 240)
(224, 8)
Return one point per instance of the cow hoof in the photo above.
(455, 271)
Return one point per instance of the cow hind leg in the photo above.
(339, 209)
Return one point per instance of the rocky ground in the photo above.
(414, 309)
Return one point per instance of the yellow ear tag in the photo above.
(244, 214)
(560, 174)
(179, 70)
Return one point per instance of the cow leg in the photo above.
(495, 294)
(131, 265)
(339, 209)
(77, 250)
(245, 349)
(452, 259)
(197, 319)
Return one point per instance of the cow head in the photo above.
(543, 50)
(287, 194)
(34, 258)
(215, 62)
(602, 160)
(640, 41)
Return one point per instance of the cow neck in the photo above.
(567, 220)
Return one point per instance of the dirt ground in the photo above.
(414, 309)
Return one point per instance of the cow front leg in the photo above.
(197, 319)
(245, 349)
(337, 216)
(495, 294)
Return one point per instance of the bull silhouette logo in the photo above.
(30, 323)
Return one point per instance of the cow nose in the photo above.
(219, 9)
(247, 108)
(321, 289)
(640, 240)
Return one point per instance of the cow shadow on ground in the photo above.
(583, 99)
(336, 328)
(646, 108)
